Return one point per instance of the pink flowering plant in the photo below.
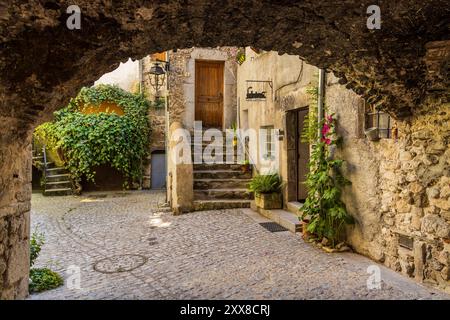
(323, 207)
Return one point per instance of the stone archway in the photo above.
(43, 64)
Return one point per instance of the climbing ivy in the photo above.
(90, 140)
(311, 127)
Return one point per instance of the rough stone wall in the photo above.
(15, 195)
(177, 76)
(400, 188)
(415, 196)
(157, 121)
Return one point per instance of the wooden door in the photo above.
(302, 156)
(158, 173)
(209, 93)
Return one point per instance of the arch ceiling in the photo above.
(43, 63)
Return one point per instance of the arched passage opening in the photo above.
(43, 64)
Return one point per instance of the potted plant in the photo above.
(246, 166)
(267, 190)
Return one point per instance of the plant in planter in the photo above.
(267, 189)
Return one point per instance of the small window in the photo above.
(269, 146)
(378, 124)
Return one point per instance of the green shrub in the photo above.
(36, 243)
(44, 279)
(268, 183)
(41, 279)
(91, 140)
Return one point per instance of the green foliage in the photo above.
(159, 103)
(44, 279)
(323, 206)
(36, 242)
(311, 126)
(90, 140)
(240, 56)
(41, 278)
(265, 183)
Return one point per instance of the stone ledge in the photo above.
(282, 217)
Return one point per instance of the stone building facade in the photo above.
(388, 66)
(400, 187)
(182, 83)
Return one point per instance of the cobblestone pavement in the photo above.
(221, 254)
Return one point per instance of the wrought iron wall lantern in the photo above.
(256, 89)
(157, 75)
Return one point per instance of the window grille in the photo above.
(379, 122)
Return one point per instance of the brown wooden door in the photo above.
(302, 156)
(209, 93)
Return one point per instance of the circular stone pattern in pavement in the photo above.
(120, 263)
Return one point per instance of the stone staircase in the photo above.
(57, 179)
(220, 186)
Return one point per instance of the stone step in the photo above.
(217, 166)
(58, 177)
(204, 144)
(284, 218)
(56, 170)
(201, 205)
(221, 174)
(210, 194)
(58, 192)
(58, 185)
(200, 184)
(294, 207)
(224, 157)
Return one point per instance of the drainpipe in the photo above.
(166, 129)
(320, 99)
(141, 70)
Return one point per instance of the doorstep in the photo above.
(284, 218)
(294, 207)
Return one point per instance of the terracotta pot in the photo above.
(305, 232)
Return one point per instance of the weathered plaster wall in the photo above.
(125, 76)
(290, 78)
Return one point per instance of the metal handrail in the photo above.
(244, 144)
(44, 155)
